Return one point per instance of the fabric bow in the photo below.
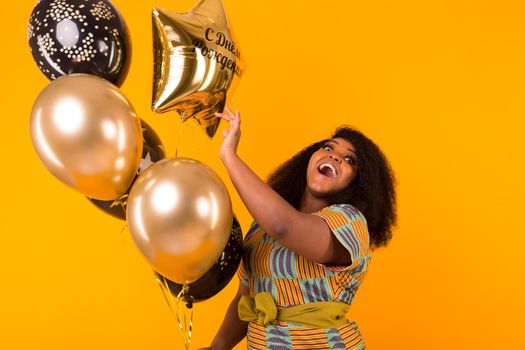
(261, 309)
(320, 314)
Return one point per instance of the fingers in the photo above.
(234, 116)
(229, 116)
(230, 113)
(223, 116)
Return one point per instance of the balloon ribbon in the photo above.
(122, 201)
(180, 308)
(179, 137)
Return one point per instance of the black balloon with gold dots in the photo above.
(79, 36)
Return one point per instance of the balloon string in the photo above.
(124, 237)
(186, 326)
(177, 308)
(123, 228)
(179, 137)
(122, 201)
(165, 291)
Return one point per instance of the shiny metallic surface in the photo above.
(180, 216)
(197, 63)
(152, 151)
(217, 277)
(87, 134)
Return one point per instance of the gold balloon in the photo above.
(180, 216)
(87, 134)
(197, 63)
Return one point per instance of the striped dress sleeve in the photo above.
(349, 226)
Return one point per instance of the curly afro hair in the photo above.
(372, 191)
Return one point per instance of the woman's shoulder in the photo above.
(253, 227)
(254, 234)
(345, 209)
(350, 228)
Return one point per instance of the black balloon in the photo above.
(152, 152)
(79, 36)
(218, 276)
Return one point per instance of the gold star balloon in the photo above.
(197, 63)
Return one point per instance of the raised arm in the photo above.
(306, 234)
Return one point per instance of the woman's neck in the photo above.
(310, 203)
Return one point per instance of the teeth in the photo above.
(324, 165)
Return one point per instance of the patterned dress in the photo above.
(292, 280)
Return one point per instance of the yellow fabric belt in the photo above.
(263, 311)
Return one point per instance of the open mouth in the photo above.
(327, 170)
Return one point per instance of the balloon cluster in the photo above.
(87, 134)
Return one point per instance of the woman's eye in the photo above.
(327, 148)
(350, 160)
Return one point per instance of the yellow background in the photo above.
(439, 85)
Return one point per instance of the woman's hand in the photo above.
(231, 135)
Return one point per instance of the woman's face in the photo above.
(331, 168)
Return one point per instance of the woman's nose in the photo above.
(335, 157)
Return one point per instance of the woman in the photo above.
(307, 252)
